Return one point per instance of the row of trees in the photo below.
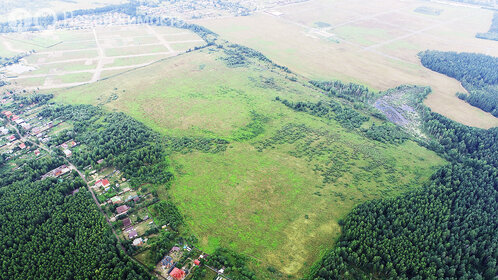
(476, 72)
(330, 109)
(492, 33)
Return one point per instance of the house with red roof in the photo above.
(12, 138)
(14, 117)
(197, 262)
(105, 183)
(7, 113)
(22, 146)
(177, 274)
(37, 152)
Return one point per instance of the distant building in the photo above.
(127, 222)
(122, 209)
(116, 200)
(67, 152)
(167, 262)
(177, 274)
(132, 234)
(174, 249)
(138, 242)
(105, 183)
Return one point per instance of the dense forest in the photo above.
(492, 33)
(477, 73)
(446, 230)
(47, 233)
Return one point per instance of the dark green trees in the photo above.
(478, 73)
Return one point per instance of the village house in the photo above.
(177, 274)
(25, 125)
(37, 152)
(138, 242)
(167, 262)
(116, 200)
(3, 130)
(126, 223)
(132, 233)
(68, 153)
(122, 209)
(22, 146)
(105, 183)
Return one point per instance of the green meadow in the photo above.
(286, 179)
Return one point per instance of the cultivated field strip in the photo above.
(68, 62)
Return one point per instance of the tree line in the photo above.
(477, 73)
(492, 33)
(445, 230)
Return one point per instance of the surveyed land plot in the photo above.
(64, 58)
(374, 43)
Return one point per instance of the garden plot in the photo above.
(64, 58)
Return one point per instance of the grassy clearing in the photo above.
(62, 67)
(135, 50)
(72, 78)
(181, 47)
(385, 66)
(272, 203)
(124, 61)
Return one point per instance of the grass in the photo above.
(285, 41)
(134, 50)
(272, 205)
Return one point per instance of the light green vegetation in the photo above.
(363, 35)
(278, 191)
(44, 57)
(135, 60)
(34, 81)
(180, 47)
(135, 50)
(72, 77)
(63, 67)
(181, 36)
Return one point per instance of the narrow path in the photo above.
(100, 64)
(161, 39)
(417, 32)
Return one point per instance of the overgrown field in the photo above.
(374, 43)
(286, 178)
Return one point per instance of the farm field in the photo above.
(266, 195)
(64, 58)
(374, 43)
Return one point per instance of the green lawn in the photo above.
(279, 202)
